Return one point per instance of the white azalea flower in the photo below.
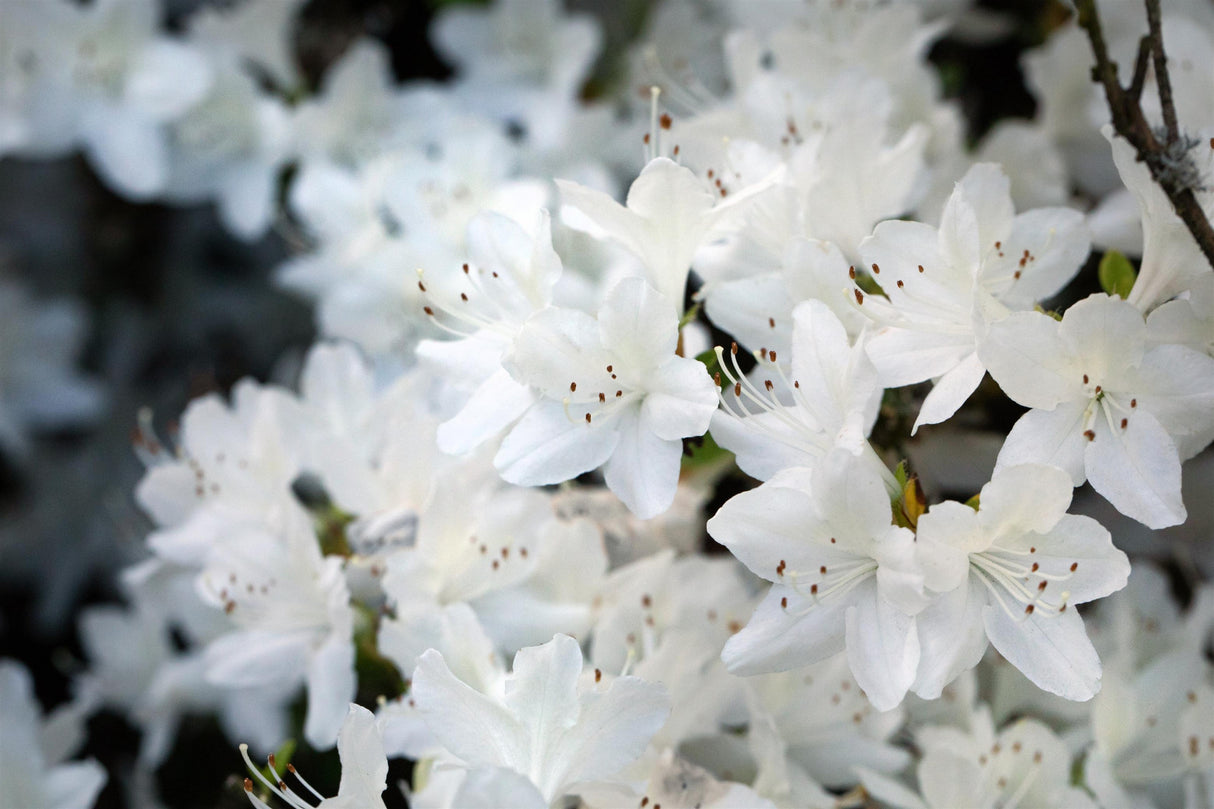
(1026, 764)
(101, 77)
(1106, 406)
(1171, 259)
(364, 770)
(33, 770)
(844, 576)
(944, 284)
(670, 212)
(830, 398)
(509, 276)
(614, 393)
(292, 620)
(1012, 572)
(549, 724)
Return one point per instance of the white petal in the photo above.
(951, 638)
(468, 723)
(1177, 385)
(950, 392)
(643, 470)
(129, 151)
(547, 446)
(166, 78)
(1028, 497)
(681, 400)
(639, 324)
(907, 356)
(882, 648)
(1050, 438)
(75, 785)
(331, 685)
(494, 788)
(364, 767)
(494, 406)
(1022, 352)
(1053, 651)
(1137, 470)
(779, 638)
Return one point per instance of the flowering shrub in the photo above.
(696, 420)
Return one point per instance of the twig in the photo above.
(1130, 123)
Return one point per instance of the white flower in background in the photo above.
(364, 770)
(843, 730)
(1012, 571)
(1026, 764)
(40, 388)
(829, 398)
(292, 621)
(1106, 407)
(843, 575)
(101, 77)
(549, 724)
(257, 31)
(521, 61)
(231, 146)
(943, 285)
(34, 772)
(358, 113)
(614, 394)
(509, 276)
(1171, 260)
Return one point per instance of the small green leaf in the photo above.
(1117, 274)
(973, 502)
(703, 451)
(901, 474)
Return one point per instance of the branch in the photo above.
(1130, 123)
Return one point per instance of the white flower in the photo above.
(292, 620)
(843, 575)
(509, 276)
(549, 724)
(364, 769)
(944, 284)
(1026, 764)
(830, 398)
(33, 773)
(99, 76)
(614, 393)
(670, 213)
(1106, 406)
(1012, 572)
(1171, 259)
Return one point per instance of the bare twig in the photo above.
(1130, 123)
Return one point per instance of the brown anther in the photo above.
(572, 387)
(665, 121)
(522, 552)
(1037, 757)
(646, 601)
(832, 540)
(780, 568)
(1124, 423)
(851, 273)
(784, 603)
(248, 785)
(1074, 566)
(920, 268)
(771, 355)
(610, 368)
(465, 269)
(771, 322)
(813, 589)
(737, 389)
(428, 311)
(876, 270)
(767, 384)
(733, 348)
(602, 397)
(1133, 403)
(1089, 435)
(619, 393)
(645, 139)
(463, 296)
(1016, 275)
(822, 570)
(1085, 379)
(1041, 585)
(598, 675)
(900, 284)
(588, 418)
(859, 297)
(1098, 389)
(1033, 569)
(1028, 610)
(421, 286)
(496, 564)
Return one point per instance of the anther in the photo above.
(859, 297)
(876, 270)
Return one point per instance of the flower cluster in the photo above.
(474, 533)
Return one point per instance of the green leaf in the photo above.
(1117, 274)
(702, 452)
(901, 474)
(973, 502)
